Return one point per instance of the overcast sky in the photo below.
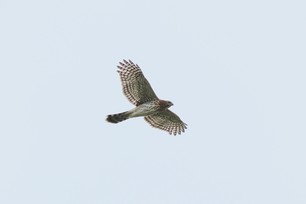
(235, 71)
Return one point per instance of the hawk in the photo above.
(140, 93)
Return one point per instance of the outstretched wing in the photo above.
(168, 121)
(135, 86)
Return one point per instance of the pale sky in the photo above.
(235, 71)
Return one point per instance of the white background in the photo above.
(235, 71)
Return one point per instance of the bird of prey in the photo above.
(140, 93)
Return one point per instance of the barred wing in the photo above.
(135, 86)
(168, 121)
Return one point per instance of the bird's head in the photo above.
(169, 103)
(165, 104)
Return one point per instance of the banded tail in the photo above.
(116, 118)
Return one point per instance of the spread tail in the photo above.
(116, 118)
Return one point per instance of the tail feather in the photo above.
(116, 118)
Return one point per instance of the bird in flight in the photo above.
(140, 93)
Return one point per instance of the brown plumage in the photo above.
(139, 92)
